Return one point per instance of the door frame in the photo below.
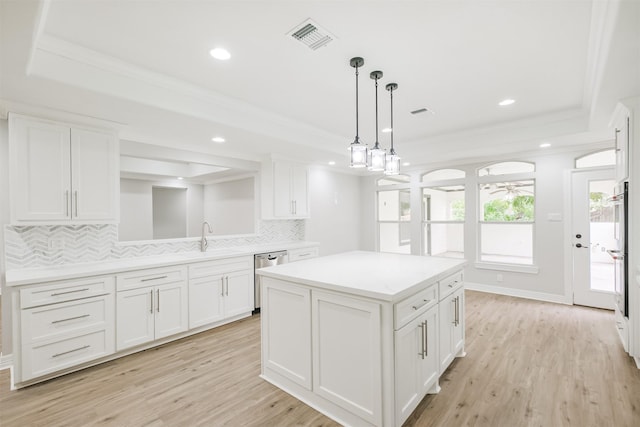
(569, 277)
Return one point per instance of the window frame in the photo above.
(424, 222)
(494, 179)
(385, 188)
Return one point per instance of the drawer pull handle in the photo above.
(69, 292)
(306, 254)
(417, 307)
(71, 351)
(71, 318)
(153, 278)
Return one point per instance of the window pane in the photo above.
(445, 240)
(601, 158)
(443, 203)
(507, 201)
(506, 168)
(395, 237)
(394, 180)
(443, 174)
(506, 243)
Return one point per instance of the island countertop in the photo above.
(383, 276)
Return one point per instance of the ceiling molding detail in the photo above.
(75, 65)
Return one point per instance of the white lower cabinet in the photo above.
(63, 324)
(346, 338)
(416, 362)
(287, 312)
(219, 290)
(451, 321)
(146, 313)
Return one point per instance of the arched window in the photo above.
(598, 158)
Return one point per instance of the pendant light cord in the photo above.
(357, 138)
(392, 151)
(376, 145)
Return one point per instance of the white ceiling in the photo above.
(145, 66)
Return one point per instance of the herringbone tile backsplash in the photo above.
(29, 246)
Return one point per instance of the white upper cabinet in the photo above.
(62, 174)
(621, 123)
(285, 190)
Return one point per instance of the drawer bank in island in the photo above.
(362, 336)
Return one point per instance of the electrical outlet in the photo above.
(56, 243)
(499, 278)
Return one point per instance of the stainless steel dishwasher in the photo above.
(265, 260)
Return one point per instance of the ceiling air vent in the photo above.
(311, 35)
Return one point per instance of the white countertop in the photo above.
(389, 277)
(29, 276)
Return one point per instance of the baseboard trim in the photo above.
(6, 361)
(538, 296)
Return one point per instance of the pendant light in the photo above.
(377, 155)
(358, 151)
(392, 163)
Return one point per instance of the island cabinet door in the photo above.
(347, 353)
(416, 362)
(286, 330)
(451, 328)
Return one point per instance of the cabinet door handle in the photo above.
(158, 297)
(71, 351)
(76, 193)
(70, 318)
(66, 203)
(295, 207)
(222, 285)
(424, 302)
(151, 298)
(55, 294)
(421, 354)
(227, 280)
(426, 339)
(153, 278)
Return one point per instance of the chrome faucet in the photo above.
(203, 241)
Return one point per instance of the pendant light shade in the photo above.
(358, 150)
(392, 162)
(377, 156)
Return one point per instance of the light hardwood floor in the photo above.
(528, 364)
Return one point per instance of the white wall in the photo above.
(136, 208)
(230, 206)
(169, 212)
(336, 211)
(4, 219)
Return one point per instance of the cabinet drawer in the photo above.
(220, 266)
(450, 284)
(300, 254)
(66, 319)
(150, 277)
(407, 309)
(38, 360)
(56, 292)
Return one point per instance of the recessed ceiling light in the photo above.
(180, 177)
(218, 139)
(332, 163)
(220, 53)
(386, 130)
(406, 164)
(545, 145)
(506, 102)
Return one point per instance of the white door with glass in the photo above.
(592, 233)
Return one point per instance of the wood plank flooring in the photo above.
(528, 364)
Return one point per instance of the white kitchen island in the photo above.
(362, 336)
